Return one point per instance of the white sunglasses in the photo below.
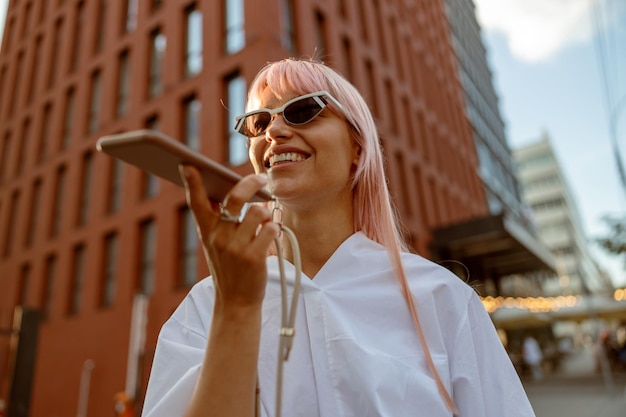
(298, 111)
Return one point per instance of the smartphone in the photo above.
(159, 154)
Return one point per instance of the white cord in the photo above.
(288, 313)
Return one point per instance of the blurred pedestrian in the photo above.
(533, 357)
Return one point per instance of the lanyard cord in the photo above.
(288, 313)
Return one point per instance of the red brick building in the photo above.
(82, 235)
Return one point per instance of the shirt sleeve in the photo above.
(182, 341)
(485, 383)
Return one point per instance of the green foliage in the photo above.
(615, 242)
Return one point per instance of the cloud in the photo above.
(537, 29)
(3, 11)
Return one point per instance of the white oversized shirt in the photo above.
(355, 350)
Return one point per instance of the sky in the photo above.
(3, 12)
(549, 79)
(547, 74)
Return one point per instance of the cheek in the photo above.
(255, 154)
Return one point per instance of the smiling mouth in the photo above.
(284, 157)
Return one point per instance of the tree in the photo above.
(615, 241)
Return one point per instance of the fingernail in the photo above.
(263, 177)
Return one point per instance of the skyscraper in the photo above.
(509, 245)
(547, 192)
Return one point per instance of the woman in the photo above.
(378, 331)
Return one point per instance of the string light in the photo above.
(533, 304)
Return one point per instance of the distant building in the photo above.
(509, 245)
(546, 191)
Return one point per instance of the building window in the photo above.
(56, 47)
(380, 30)
(188, 248)
(85, 188)
(23, 145)
(149, 182)
(16, 83)
(540, 160)
(288, 33)
(44, 134)
(130, 15)
(393, 114)
(34, 69)
(193, 41)
(4, 162)
(8, 38)
(27, 22)
(363, 20)
(3, 79)
(236, 97)
(320, 34)
(94, 103)
(22, 290)
(123, 83)
(114, 201)
(156, 5)
(234, 25)
(57, 203)
(68, 119)
(107, 294)
(371, 81)
(78, 35)
(10, 225)
(100, 25)
(191, 126)
(33, 215)
(43, 7)
(48, 286)
(405, 193)
(158, 44)
(347, 56)
(77, 279)
(147, 256)
(549, 204)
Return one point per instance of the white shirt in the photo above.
(355, 352)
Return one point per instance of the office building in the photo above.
(546, 191)
(503, 244)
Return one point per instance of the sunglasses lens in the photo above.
(302, 111)
(297, 113)
(256, 124)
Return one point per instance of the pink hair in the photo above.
(374, 214)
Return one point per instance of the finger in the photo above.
(255, 215)
(197, 199)
(243, 191)
(265, 237)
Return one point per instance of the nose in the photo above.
(277, 129)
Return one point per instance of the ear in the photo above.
(356, 149)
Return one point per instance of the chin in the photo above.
(284, 189)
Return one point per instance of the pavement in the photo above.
(577, 389)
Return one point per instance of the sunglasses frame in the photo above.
(317, 96)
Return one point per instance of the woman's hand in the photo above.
(236, 252)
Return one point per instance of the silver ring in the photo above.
(227, 216)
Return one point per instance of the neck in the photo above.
(319, 232)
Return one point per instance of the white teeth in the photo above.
(289, 156)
